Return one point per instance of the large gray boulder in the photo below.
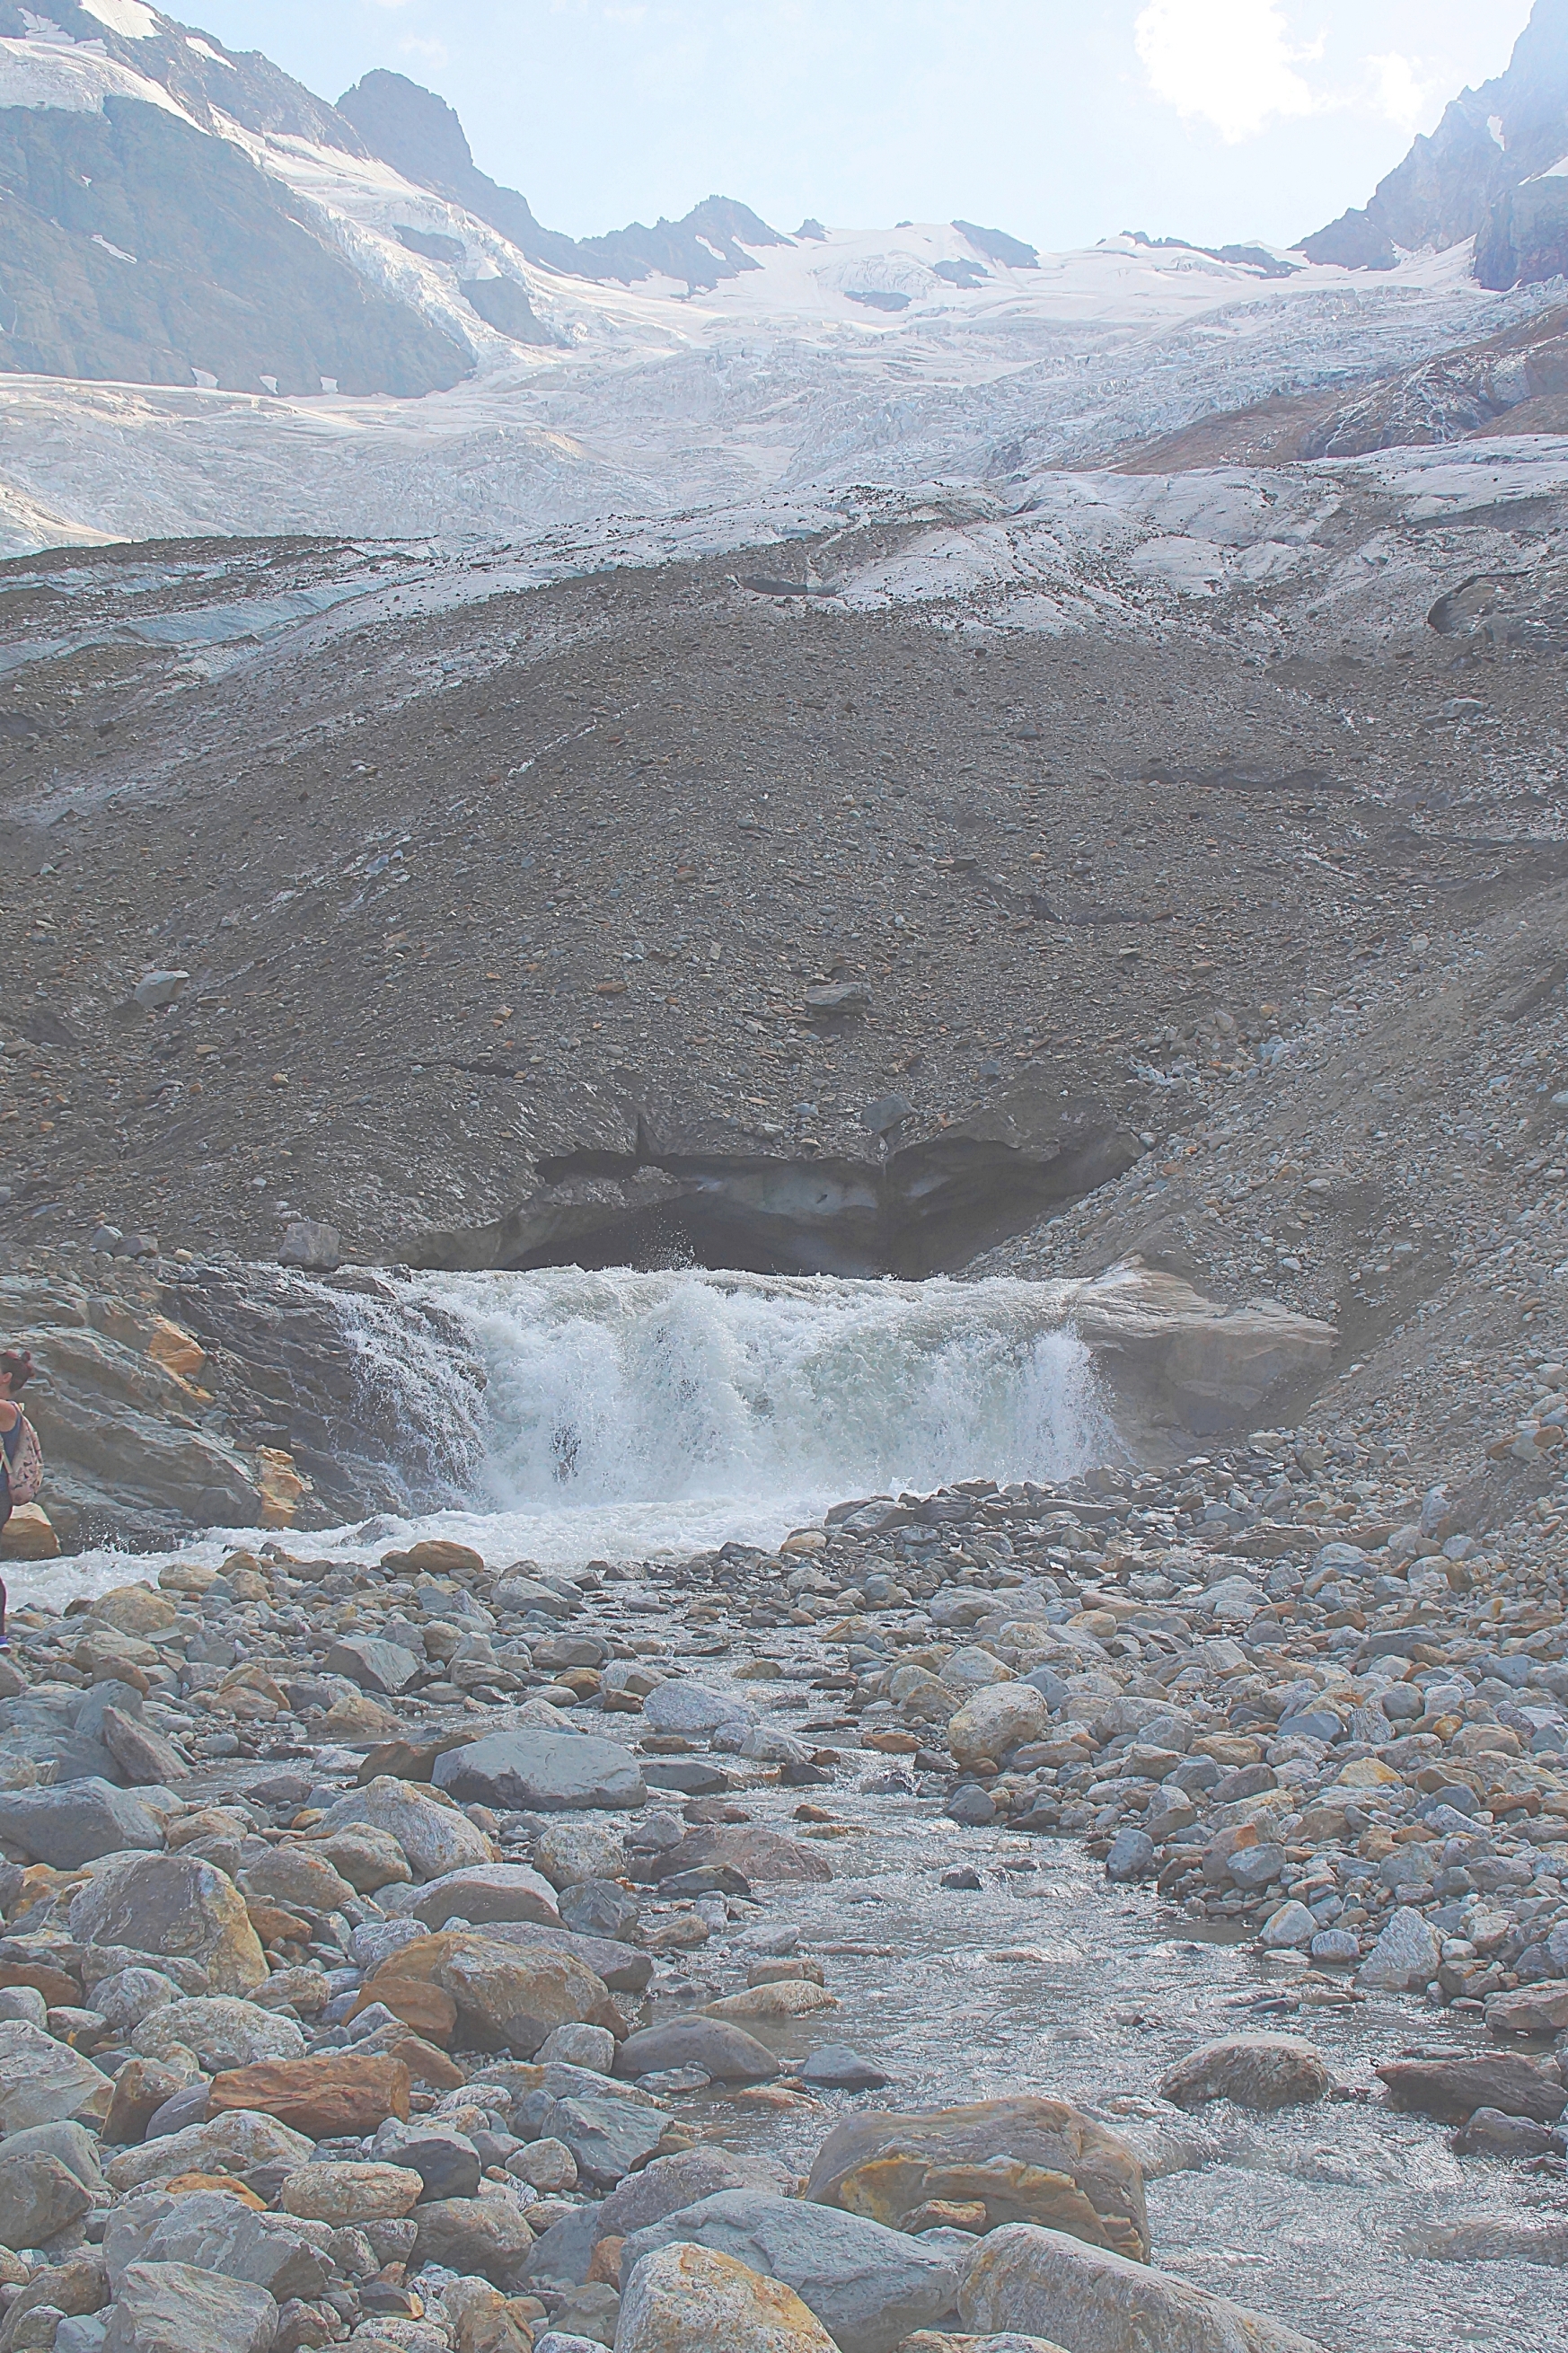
(486, 1892)
(176, 1906)
(608, 2137)
(177, 2309)
(726, 2053)
(38, 2196)
(678, 1705)
(78, 1822)
(543, 1772)
(870, 2286)
(434, 1837)
(215, 2233)
(672, 2182)
(1050, 2284)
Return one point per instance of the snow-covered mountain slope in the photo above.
(771, 377)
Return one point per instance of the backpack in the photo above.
(25, 1468)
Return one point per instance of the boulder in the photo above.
(790, 1998)
(728, 2053)
(1050, 2284)
(1255, 2071)
(672, 2182)
(335, 2094)
(142, 2087)
(1538, 2008)
(488, 2233)
(302, 1881)
(174, 1905)
(143, 1756)
(996, 1721)
(541, 1772)
(1451, 2090)
(43, 2082)
(1027, 2160)
(608, 2137)
(229, 2144)
(434, 1837)
(368, 1859)
(502, 1997)
(570, 1852)
(125, 1996)
(690, 2299)
(175, 2308)
(623, 1969)
(760, 1855)
(679, 1705)
(485, 1892)
(1404, 1958)
(375, 1665)
(346, 2195)
(599, 1908)
(222, 2031)
(216, 2232)
(868, 2286)
(75, 2286)
(77, 1821)
(446, 2159)
(38, 2196)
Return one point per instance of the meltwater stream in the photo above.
(630, 1416)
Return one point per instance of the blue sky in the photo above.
(1215, 119)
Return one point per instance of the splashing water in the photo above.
(640, 1416)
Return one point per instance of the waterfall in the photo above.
(615, 1393)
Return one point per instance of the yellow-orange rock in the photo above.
(328, 2097)
(506, 1997)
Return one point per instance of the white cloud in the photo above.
(1403, 95)
(1230, 63)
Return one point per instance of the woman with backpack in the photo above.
(21, 1462)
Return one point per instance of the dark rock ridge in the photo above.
(1244, 257)
(420, 135)
(929, 1205)
(1468, 180)
(140, 251)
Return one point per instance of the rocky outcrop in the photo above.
(1477, 175)
(141, 249)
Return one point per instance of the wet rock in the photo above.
(176, 2308)
(1451, 2090)
(790, 1998)
(690, 2299)
(868, 2286)
(488, 2233)
(972, 1806)
(1044, 2282)
(345, 2195)
(995, 1722)
(726, 2053)
(435, 1839)
(43, 2082)
(1131, 1854)
(1025, 2159)
(173, 1904)
(334, 2094)
(1255, 2071)
(1492, 2239)
(310, 1244)
(77, 1821)
(486, 1892)
(834, 2067)
(541, 1772)
(1540, 2009)
(1490, 2133)
(1288, 1929)
(222, 2033)
(1404, 1957)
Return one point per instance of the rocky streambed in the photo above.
(1120, 1914)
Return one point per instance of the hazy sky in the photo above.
(1062, 121)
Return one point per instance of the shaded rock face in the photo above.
(928, 1206)
(141, 249)
(1463, 181)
